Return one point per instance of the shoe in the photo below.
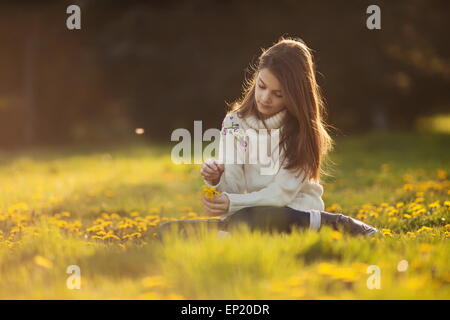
(351, 225)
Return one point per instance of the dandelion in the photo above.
(386, 232)
(373, 214)
(419, 212)
(210, 192)
(407, 187)
(192, 214)
(442, 174)
(424, 228)
(336, 235)
(43, 262)
(435, 204)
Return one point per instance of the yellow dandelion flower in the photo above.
(424, 228)
(435, 204)
(419, 212)
(210, 192)
(192, 214)
(115, 216)
(407, 187)
(336, 235)
(407, 216)
(326, 268)
(43, 262)
(419, 200)
(442, 174)
(400, 204)
(361, 216)
(111, 236)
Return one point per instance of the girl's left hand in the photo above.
(216, 206)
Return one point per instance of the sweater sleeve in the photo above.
(278, 193)
(231, 154)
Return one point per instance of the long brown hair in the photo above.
(304, 137)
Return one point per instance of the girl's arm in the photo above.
(278, 193)
(232, 179)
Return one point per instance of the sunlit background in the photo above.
(161, 66)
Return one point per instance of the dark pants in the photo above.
(267, 219)
(262, 218)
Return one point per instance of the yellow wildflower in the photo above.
(210, 192)
(336, 235)
(43, 262)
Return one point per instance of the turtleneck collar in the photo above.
(273, 122)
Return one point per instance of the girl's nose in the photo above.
(265, 99)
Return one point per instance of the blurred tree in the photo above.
(163, 65)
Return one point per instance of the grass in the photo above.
(98, 209)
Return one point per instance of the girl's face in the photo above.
(269, 95)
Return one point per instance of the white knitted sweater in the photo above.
(244, 184)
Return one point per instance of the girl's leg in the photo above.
(267, 218)
(347, 224)
(283, 219)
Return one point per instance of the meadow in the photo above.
(98, 208)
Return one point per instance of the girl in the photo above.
(282, 95)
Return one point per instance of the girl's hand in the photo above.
(211, 171)
(216, 206)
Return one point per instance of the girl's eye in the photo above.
(262, 87)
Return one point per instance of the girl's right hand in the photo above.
(211, 171)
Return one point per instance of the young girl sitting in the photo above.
(282, 99)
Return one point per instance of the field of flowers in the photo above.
(97, 210)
